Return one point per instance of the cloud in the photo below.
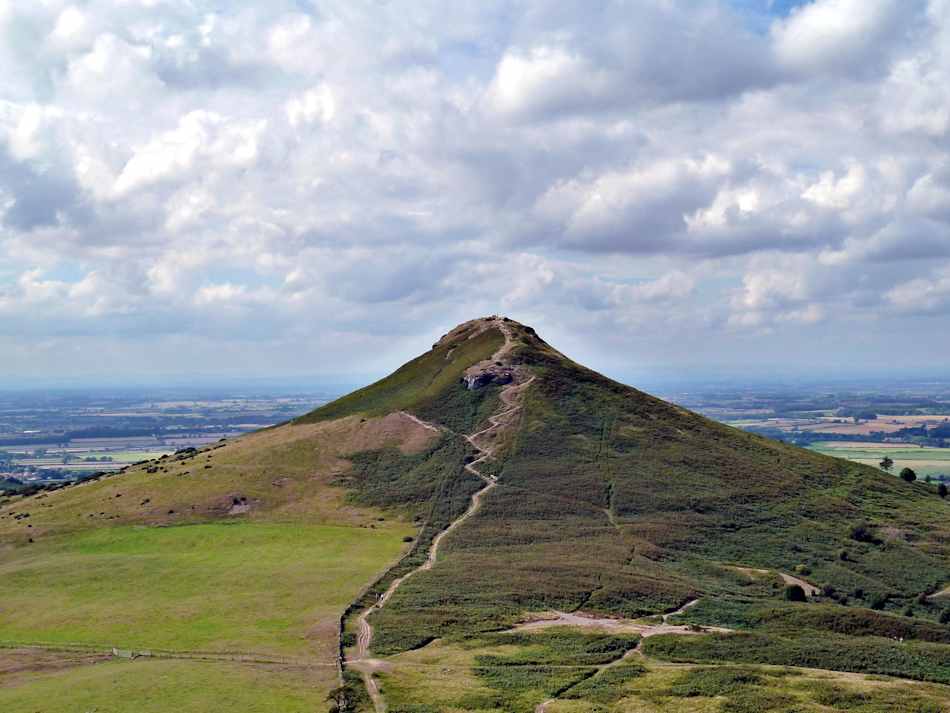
(923, 295)
(850, 37)
(200, 137)
(613, 60)
(642, 209)
(354, 176)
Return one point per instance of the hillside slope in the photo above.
(612, 502)
(554, 516)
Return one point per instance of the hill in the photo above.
(577, 545)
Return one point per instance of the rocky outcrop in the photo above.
(479, 378)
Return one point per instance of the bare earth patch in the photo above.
(546, 620)
(24, 661)
(810, 589)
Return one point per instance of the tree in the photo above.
(942, 490)
(887, 463)
(794, 593)
(908, 475)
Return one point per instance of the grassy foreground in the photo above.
(162, 686)
(263, 588)
(566, 669)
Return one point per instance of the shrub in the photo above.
(945, 616)
(942, 490)
(794, 593)
(862, 532)
(908, 475)
(710, 682)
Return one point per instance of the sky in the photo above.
(310, 187)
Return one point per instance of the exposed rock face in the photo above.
(492, 375)
(498, 369)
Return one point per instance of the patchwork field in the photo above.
(924, 461)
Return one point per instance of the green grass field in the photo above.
(923, 461)
(263, 588)
(166, 686)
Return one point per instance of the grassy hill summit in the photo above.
(492, 527)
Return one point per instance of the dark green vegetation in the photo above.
(924, 662)
(755, 615)
(608, 501)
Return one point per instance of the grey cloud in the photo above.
(616, 57)
(40, 197)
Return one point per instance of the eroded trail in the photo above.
(510, 398)
(810, 589)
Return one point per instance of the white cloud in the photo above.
(664, 169)
(543, 79)
(831, 191)
(847, 36)
(638, 209)
(199, 136)
(316, 104)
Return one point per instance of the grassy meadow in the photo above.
(168, 686)
(243, 587)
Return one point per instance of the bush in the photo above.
(862, 532)
(908, 475)
(942, 490)
(794, 593)
(945, 616)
